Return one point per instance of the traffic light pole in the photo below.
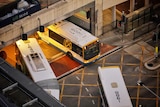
(122, 31)
(123, 21)
(156, 46)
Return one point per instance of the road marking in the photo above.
(90, 95)
(87, 89)
(77, 78)
(82, 83)
(93, 101)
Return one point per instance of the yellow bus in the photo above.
(73, 40)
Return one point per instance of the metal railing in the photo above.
(143, 30)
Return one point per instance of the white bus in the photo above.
(112, 87)
(32, 61)
(73, 40)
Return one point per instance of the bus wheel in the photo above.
(69, 54)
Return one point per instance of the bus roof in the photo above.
(73, 32)
(114, 87)
(38, 66)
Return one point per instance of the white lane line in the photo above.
(90, 95)
(93, 101)
(77, 78)
(87, 89)
(82, 83)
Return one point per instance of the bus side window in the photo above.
(56, 37)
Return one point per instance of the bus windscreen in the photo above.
(91, 50)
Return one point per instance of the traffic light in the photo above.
(123, 19)
(88, 14)
(24, 36)
(41, 28)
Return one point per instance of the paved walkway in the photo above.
(143, 45)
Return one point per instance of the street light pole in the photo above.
(156, 46)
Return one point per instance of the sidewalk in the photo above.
(116, 38)
(141, 45)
